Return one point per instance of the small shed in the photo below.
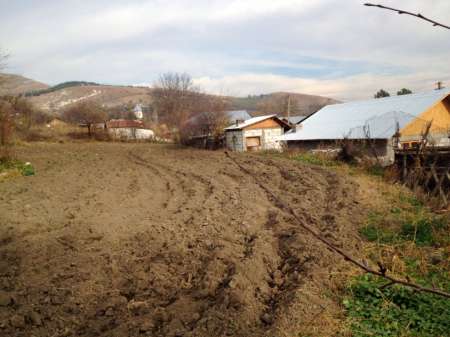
(254, 134)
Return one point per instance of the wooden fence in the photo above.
(428, 173)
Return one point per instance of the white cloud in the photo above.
(252, 46)
(361, 86)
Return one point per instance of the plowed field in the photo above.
(138, 239)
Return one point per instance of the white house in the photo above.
(128, 130)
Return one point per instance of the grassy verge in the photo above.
(15, 167)
(303, 157)
(313, 159)
(395, 311)
(413, 243)
(324, 160)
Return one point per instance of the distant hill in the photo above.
(108, 95)
(300, 104)
(56, 98)
(60, 86)
(15, 84)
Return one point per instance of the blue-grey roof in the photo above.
(238, 115)
(380, 115)
(234, 115)
(295, 119)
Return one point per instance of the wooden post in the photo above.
(289, 109)
(405, 169)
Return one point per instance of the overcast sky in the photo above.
(336, 48)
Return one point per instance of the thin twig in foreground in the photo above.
(400, 11)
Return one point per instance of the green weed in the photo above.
(394, 311)
(26, 169)
(310, 158)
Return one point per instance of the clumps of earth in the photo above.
(149, 240)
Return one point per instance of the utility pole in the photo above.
(439, 85)
(289, 109)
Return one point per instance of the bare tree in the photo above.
(3, 57)
(6, 120)
(25, 113)
(86, 114)
(210, 120)
(215, 118)
(6, 129)
(175, 99)
(371, 142)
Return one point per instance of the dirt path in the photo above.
(133, 240)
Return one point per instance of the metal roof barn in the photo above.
(348, 120)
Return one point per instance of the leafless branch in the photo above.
(382, 270)
(400, 11)
(3, 58)
(371, 142)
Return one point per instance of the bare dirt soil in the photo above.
(152, 240)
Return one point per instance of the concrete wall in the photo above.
(269, 137)
(144, 134)
(131, 133)
(235, 140)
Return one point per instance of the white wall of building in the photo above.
(235, 140)
(144, 134)
(131, 133)
(269, 137)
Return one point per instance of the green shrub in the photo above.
(26, 169)
(373, 233)
(395, 311)
(403, 224)
(310, 158)
(376, 170)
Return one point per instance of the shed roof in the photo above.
(124, 123)
(255, 120)
(380, 115)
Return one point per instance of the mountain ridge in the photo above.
(53, 99)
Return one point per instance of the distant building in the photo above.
(377, 120)
(138, 111)
(123, 129)
(254, 134)
(237, 115)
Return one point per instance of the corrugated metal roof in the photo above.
(379, 115)
(124, 123)
(249, 122)
(295, 119)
